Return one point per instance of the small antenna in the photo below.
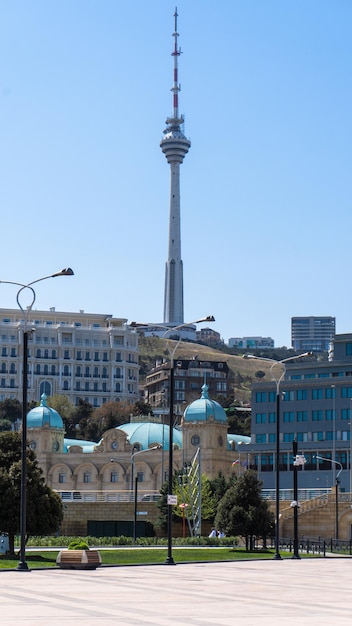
(176, 53)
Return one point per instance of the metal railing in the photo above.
(108, 496)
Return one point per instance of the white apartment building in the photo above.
(81, 355)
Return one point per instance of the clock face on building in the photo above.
(114, 445)
(56, 445)
(195, 440)
(32, 445)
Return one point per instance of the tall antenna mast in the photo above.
(175, 147)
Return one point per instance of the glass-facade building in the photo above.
(316, 411)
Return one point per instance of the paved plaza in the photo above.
(307, 591)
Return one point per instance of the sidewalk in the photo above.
(306, 591)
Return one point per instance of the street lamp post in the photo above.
(135, 479)
(170, 499)
(22, 565)
(337, 482)
(277, 379)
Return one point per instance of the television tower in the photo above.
(175, 147)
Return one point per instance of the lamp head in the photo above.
(67, 271)
(208, 318)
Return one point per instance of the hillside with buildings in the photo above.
(243, 372)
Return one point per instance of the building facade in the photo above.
(81, 355)
(251, 343)
(316, 411)
(189, 375)
(312, 334)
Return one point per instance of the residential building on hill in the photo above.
(189, 375)
(209, 336)
(82, 355)
(312, 334)
(251, 343)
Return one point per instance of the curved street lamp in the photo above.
(22, 565)
(277, 379)
(323, 458)
(170, 499)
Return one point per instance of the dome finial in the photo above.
(43, 399)
(205, 394)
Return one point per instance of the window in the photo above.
(302, 416)
(261, 396)
(345, 414)
(140, 477)
(318, 436)
(317, 416)
(272, 418)
(96, 356)
(113, 477)
(346, 392)
(330, 392)
(260, 438)
(87, 356)
(62, 477)
(330, 415)
(289, 396)
(272, 396)
(260, 418)
(87, 477)
(302, 394)
(289, 416)
(317, 394)
(288, 437)
(272, 437)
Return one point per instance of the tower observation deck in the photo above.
(175, 147)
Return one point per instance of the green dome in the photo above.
(204, 409)
(43, 415)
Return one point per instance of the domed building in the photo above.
(89, 472)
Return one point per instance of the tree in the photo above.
(44, 507)
(5, 424)
(183, 491)
(10, 409)
(243, 511)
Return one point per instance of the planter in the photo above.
(78, 559)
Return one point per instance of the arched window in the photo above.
(53, 354)
(3, 368)
(46, 354)
(37, 368)
(46, 370)
(45, 387)
(78, 371)
(117, 387)
(65, 385)
(12, 368)
(87, 371)
(96, 372)
(66, 370)
(38, 353)
(117, 372)
(53, 370)
(105, 372)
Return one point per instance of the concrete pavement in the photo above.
(307, 591)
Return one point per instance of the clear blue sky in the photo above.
(265, 189)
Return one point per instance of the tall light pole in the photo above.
(170, 499)
(136, 486)
(337, 481)
(277, 379)
(22, 565)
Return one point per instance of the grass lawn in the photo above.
(142, 556)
